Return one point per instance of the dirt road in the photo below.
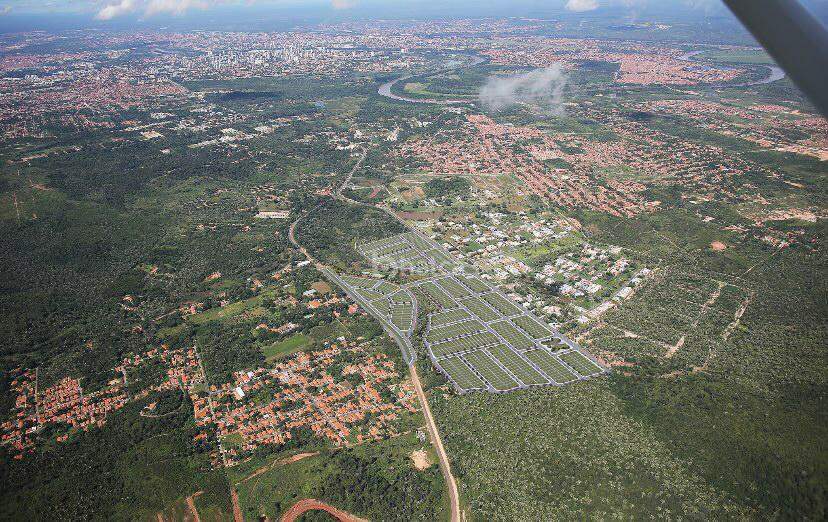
(445, 467)
(311, 504)
(237, 512)
(192, 507)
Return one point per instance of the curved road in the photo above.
(311, 504)
(434, 434)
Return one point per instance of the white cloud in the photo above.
(580, 6)
(708, 6)
(173, 6)
(343, 4)
(541, 89)
(115, 10)
(151, 7)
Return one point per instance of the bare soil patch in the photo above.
(237, 512)
(792, 213)
(671, 350)
(192, 507)
(413, 193)
(718, 246)
(420, 459)
(322, 287)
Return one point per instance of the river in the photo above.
(775, 72)
(385, 88)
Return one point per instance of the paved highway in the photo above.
(405, 344)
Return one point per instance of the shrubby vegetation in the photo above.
(704, 433)
(383, 488)
(447, 187)
(332, 231)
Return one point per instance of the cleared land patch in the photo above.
(519, 367)
(501, 304)
(551, 366)
(436, 335)
(449, 316)
(477, 337)
(459, 372)
(479, 308)
(580, 363)
(489, 369)
(532, 327)
(513, 335)
(454, 288)
(285, 347)
(464, 344)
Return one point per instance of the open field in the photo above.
(463, 344)
(480, 308)
(503, 306)
(512, 335)
(292, 344)
(738, 56)
(437, 335)
(518, 366)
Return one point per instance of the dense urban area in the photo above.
(467, 269)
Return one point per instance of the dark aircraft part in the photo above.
(794, 38)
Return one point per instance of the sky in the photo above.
(110, 9)
(121, 12)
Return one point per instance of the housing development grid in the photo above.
(475, 335)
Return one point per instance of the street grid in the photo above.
(475, 335)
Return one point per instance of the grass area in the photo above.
(322, 287)
(170, 331)
(415, 88)
(211, 513)
(292, 344)
(233, 440)
(424, 90)
(177, 511)
(276, 490)
(233, 309)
